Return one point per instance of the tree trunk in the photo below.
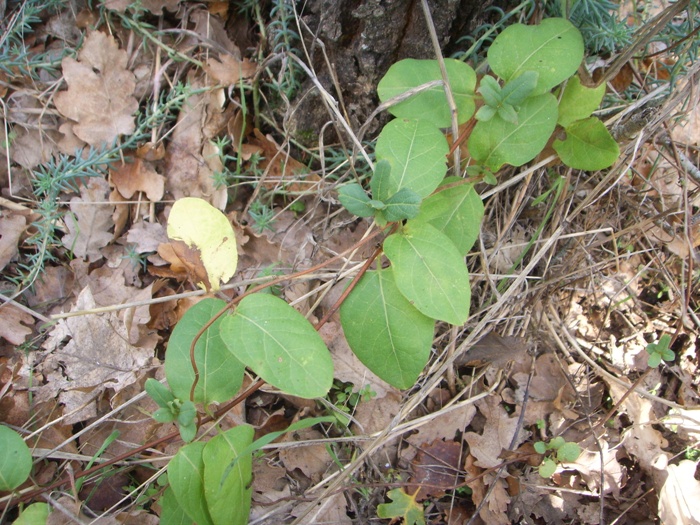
(361, 39)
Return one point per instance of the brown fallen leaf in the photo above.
(12, 226)
(90, 221)
(435, 469)
(97, 356)
(498, 433)
(99, 100)
(313, 460)
(138, 175)
(229, 70)
(15, 324)
(679, 498)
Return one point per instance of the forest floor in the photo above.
(575, 276)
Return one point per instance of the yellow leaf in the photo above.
(202, 227)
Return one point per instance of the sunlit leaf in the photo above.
(578, 101)
(186, 477)
(430, 272)
(588, 146)
(388, 334)
(15, 459)
(402, 506)
(201, 226)
(220, 373)
(417, 153)
(280, 345)
(430, 105)
(553, 49)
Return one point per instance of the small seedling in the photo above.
(173, 409)
(660, 351)
(564, 452)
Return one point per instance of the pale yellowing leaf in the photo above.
(204, 228)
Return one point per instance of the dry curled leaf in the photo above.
(12, 227)
(138, 175)
(15, 325)
(90, 221)
(99, 99)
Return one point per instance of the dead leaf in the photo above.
(15, 324)
(269, 482)
(329, 510)
(435, 469)
(138, 175)
(12, 226)
(229, 70)
(99, 99)
(147, 236)
(679, 499)
(444, 425)
(97, 356)
(498, 433)
(90, 220)
(494, 510)
(589, 463)
(313, 459)
(188, 169)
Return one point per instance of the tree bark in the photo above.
(361, 39)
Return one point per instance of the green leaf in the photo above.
(187, 413)
(228, 491)
(588, 146)
(556, 443)
(404, 204)
(668, 355)
(519, 88)
(430, 105)
(380, 183)
(508, 113)
(654, 360)
(497, 142)
(417, 153)
(34, 514)
(355, 200)
(187, 431)
(164, 415)
(430, 272)
(402, 506)
(456, 212)
(540, 447)
(490, 89)
(201, 226)
(578, 101)
(220, 373)
(15, 459)
(186, 476)
(280, 345)
(547, 468)
(486, 113)
(553, 49)
(172, 513)
(160, 393)
(385, 331)
(568, 452)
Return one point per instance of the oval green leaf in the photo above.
(171, 512)
(15, 460)
(280, 345)
(554, 49)
(417, 151)
(220, 373)
(385, 331)
(498, 142)
(578, 101)
(201, 226)
(588, 146)
(430, 105)
(455, 211)
(227, 488)
(430, 272)
(34, 514)
(186, 476)
(354, 198)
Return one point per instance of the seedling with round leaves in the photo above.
(558, 450)
(660, 352)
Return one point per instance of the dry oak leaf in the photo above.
(12, 324)
(99, 99)
(229, 70)
(679, 498)
(138, 175)
(97, 356)
(90, 221)
(12, 227)
(497, 435)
